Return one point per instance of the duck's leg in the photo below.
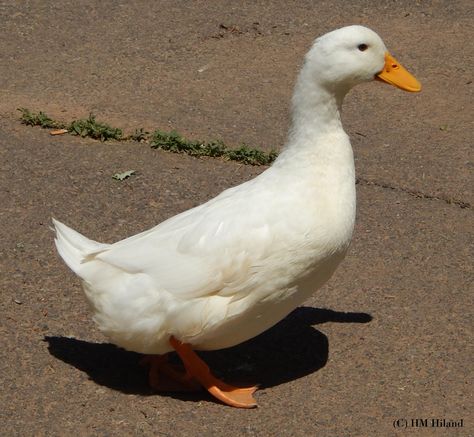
(163, 376)
(240, 397)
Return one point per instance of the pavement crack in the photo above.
(414, 193)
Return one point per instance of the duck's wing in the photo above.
(211, 249)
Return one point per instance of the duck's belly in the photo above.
(261, 315)
(241, 320)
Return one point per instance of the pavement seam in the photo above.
(414, 193)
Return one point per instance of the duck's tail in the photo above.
(74, 247)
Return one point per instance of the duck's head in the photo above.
(351, 55)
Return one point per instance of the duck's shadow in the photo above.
(289, 350)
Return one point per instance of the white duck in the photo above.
(225, 271)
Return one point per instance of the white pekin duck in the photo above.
(225, 271)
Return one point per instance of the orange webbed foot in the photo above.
(239, 397)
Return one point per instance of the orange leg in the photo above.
(174, 379)
(240, 397)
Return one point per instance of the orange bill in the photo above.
(395, 74)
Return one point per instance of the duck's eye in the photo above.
(362, 47)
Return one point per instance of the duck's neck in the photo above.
(315, 117)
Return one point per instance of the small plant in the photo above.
(174, 142)
(139, 135)
(247, 155)
(90, 127)
(38, 119)
(214, 149)
(171, 141)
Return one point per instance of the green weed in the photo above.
(140, 135)
(174, 142)
(247, 155)
(38, 119)
(90, 127)
(170, 141)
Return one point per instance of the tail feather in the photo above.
(74, 247)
